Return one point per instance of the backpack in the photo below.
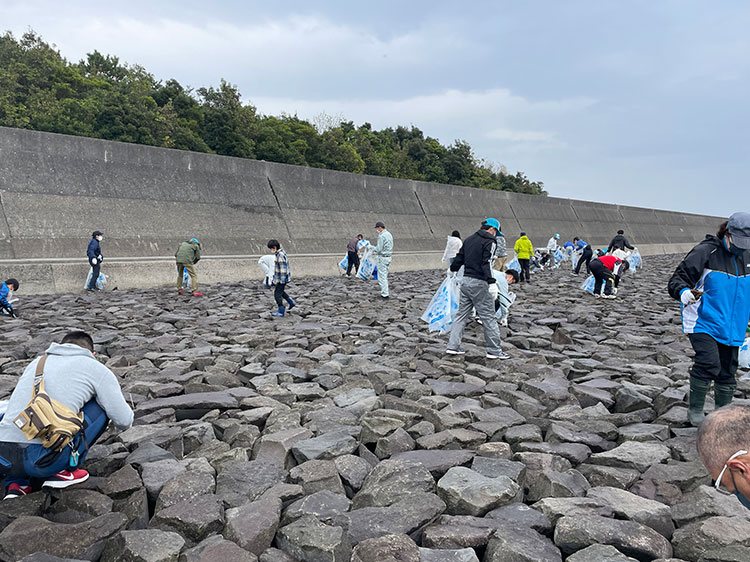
(46, 418)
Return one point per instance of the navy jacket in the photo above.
(94, 250)
(723, 311)
(476, 256)
(619, 242)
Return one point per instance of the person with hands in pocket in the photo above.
(712, 284)
(95, 257)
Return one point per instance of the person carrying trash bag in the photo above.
(60, 406)
(619, 242)
(712, 284)
(352, 254)
(94, 255)
(384, 251)
(608, 270)
(282, 275)
(552, 248)
(187, 255)
(478, 290)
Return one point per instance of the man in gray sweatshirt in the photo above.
(75, 378)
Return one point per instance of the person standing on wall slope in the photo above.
(712, 284)
(94, 255)
(384, 251)
(188, 254)
(478, 290)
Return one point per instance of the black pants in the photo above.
(95, 275)
(279, 293)
(524, 270)
(713, 361)
(585, 258)
(353, 262)
(602, 275)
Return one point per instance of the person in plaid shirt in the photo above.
(281, 277)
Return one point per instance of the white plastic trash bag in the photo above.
(366, 264)
(634, 259)
(513, 265)
(443, 306)
(589, 283)
(266, 263)
(343, 264)
(185, 278)
(744, 355)
(101, 282)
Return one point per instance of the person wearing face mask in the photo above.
(723, 444)
(712, 284)
(94, 254)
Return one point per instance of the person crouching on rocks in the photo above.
(281, 277)
(5, 289)
(188, 254)
(70, 375)
(713, 285)
(608, 270)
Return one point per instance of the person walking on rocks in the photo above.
(478, 290)
(552, 248)
(501, 250)
(188, 254)
(281, 277)
(95, 257)
(524, 250)
(352, 254)
(724, 448)
(452, 246)
(712, 284)
(619, 242)
(72, 376)
(586, 254)
(5, 289)
(608, 270)
(384, 251)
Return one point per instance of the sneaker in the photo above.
(180, 292)
(16, 491)
(66, 478)
(479, 321)
(384, 297)
(197, 294)
(609, 297)
(455, 351)
(597, 296)
(501, 355)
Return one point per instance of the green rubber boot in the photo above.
(698, 391)
(723, 394)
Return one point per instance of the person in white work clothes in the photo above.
(384, 251)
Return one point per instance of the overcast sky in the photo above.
(631, 102)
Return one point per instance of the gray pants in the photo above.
(475, 294)
(384, 264)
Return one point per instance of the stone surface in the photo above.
(146, 545)
(466, 492)
(390, 548)
(309, 540)
(253, 526)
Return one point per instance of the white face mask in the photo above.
(100, 238)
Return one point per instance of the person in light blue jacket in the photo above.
(384, 251)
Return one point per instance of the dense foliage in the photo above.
(103, 98)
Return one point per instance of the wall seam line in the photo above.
(278, 204)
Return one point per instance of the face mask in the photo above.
(100, 238)
(740, 496)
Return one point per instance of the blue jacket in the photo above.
(580, 245)
(4, 290)
(723, 311)
(94, 250)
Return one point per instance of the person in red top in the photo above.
(607, 269)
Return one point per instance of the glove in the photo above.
(94, 261)
(451, 274)
(504, 322)
(11, 312)
(687, 297)
(494, 291)
(101, 258)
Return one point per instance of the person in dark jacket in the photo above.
(586, 254)
(352, 253)
(5, 289)
(95, 257)
(478, 289)
(608, 270)
(619, 242)
(187, 255)
(712, 284)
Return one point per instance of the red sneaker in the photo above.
(66, 478)
(16, 491)
(180, 292)
(197, 294)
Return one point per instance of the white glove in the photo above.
(504, 322)
(687, 297)
(451, 274)
(93, 261)
(494, 291)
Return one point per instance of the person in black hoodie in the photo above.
(713, 285)
(94, 254)
(619, 242)
(478, 289)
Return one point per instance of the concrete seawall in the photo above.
(56, 189)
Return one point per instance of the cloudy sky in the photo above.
(623, 101)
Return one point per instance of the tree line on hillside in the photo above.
(101, 97)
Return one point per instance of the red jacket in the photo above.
(609, 261)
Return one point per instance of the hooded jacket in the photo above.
(188, 253)
(524, 248)
(619, 242)
(72, 376)
(94, 250)
(476, 256)
(723, 312)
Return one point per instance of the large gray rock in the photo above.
(327, 446)
(324, 505)
(185, 486)
(599, 553)
(437, 462)
(139, 546)
(217, 549)
(309, 540)
(633, 454)
(512, 543)
(691, 541)
(641, 510)
(576, 533)
(197, 400)
(448, 555)
(156, 474)
(392, 481)
(466, 492)
(241, 481)
(390, 548)
(194, 519)
(253, 525)
(705, 502)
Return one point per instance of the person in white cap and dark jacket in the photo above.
(95, 257)
(713, 285)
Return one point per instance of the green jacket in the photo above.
(524, 249)
(188, 253)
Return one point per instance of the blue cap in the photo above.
(494, 223)
(195, 240)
